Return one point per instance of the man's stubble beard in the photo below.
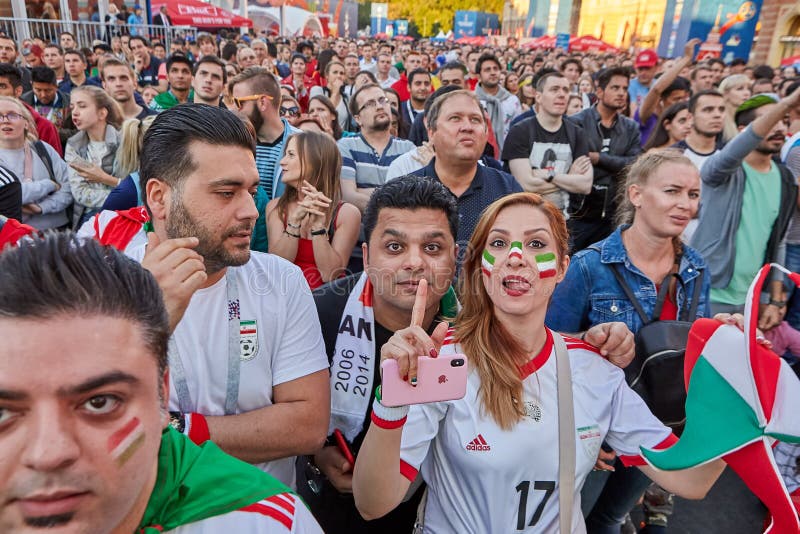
(180, 223)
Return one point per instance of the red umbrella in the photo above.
(587, 43)
(200, 14)
(544, 41)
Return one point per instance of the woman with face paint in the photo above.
(662, 195)
(491, 459)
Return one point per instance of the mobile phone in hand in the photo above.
(438, 379)
(343, 447)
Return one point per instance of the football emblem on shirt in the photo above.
(590, 439)
(533, 411)
(248, 340)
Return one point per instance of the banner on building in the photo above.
(725, 27)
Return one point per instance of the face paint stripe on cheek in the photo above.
(487, 263)
(546, 264)
(126, 441)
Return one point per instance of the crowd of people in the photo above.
(255, 224)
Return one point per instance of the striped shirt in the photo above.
(362, 163)
(267, 157)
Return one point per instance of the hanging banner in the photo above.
(725, 28)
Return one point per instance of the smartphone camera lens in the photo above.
(458, 362)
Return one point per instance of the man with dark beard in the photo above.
(257, 96)
(614, 143)
(247, 357)
(748, 200)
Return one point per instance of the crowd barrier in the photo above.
(88, 32)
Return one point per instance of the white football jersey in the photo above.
(280, 514)
(282, 340)
(482, 478)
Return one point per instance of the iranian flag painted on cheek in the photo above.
(546, 263)
(487, 263)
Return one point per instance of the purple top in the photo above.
(784, 338)
(646, 129)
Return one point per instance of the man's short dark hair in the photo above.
(43, 75)
(541, 73)
(141, 38)
(454, 65)
(540, 83)
(411, 193)
(573, 61)
(13, 42)
(715, 60)
(165, 151)
(679, 84)
(58, 275)
(297, 55)
(417, 72)
(12, 74)
(697, 96)
(56, 46)
(102, 47)
(483, 59)
(763, 71)
(216, 61)
(62, 34)
(115, 62)
(272, 50)
(604, 76)
(737, 61)
(261, 81)
(75, 52)
(179, 57)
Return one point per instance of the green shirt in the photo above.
(760, 207)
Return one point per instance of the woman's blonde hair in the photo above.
(130, 145)
(103, 100)
(31, 133)
(320, 166)
(495, 354)
(638, 173)
(732, 81)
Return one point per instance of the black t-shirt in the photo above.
(544, 149)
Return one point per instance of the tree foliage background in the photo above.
(427, 17)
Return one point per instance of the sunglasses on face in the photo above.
(293, 111)
(239, 101)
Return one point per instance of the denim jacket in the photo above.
(590, 294)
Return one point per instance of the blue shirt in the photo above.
(487, 185)
(637, 92)
(590, 294)
(360, 162)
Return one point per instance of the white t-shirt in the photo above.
(483, 479)
(698, 160)
(280, 514)
(404, 164)
(276, 302)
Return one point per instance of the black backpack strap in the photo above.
(44, 155)
(629, 293)
(691, 312)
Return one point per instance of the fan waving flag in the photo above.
(741, 398)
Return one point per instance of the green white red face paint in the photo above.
(126, 441)
(546, 263)
(487, 263)
(516, 250)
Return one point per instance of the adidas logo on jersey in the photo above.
(478, 444)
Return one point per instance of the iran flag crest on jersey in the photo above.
(248, 339)
(741, 398)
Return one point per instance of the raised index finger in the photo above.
(418, 311)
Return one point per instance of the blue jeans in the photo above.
(622, 491)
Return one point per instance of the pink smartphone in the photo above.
(438, 379)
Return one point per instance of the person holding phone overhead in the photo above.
(533, 398)
(410, 225)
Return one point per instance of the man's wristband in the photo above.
(388, 418)
(192, 425)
